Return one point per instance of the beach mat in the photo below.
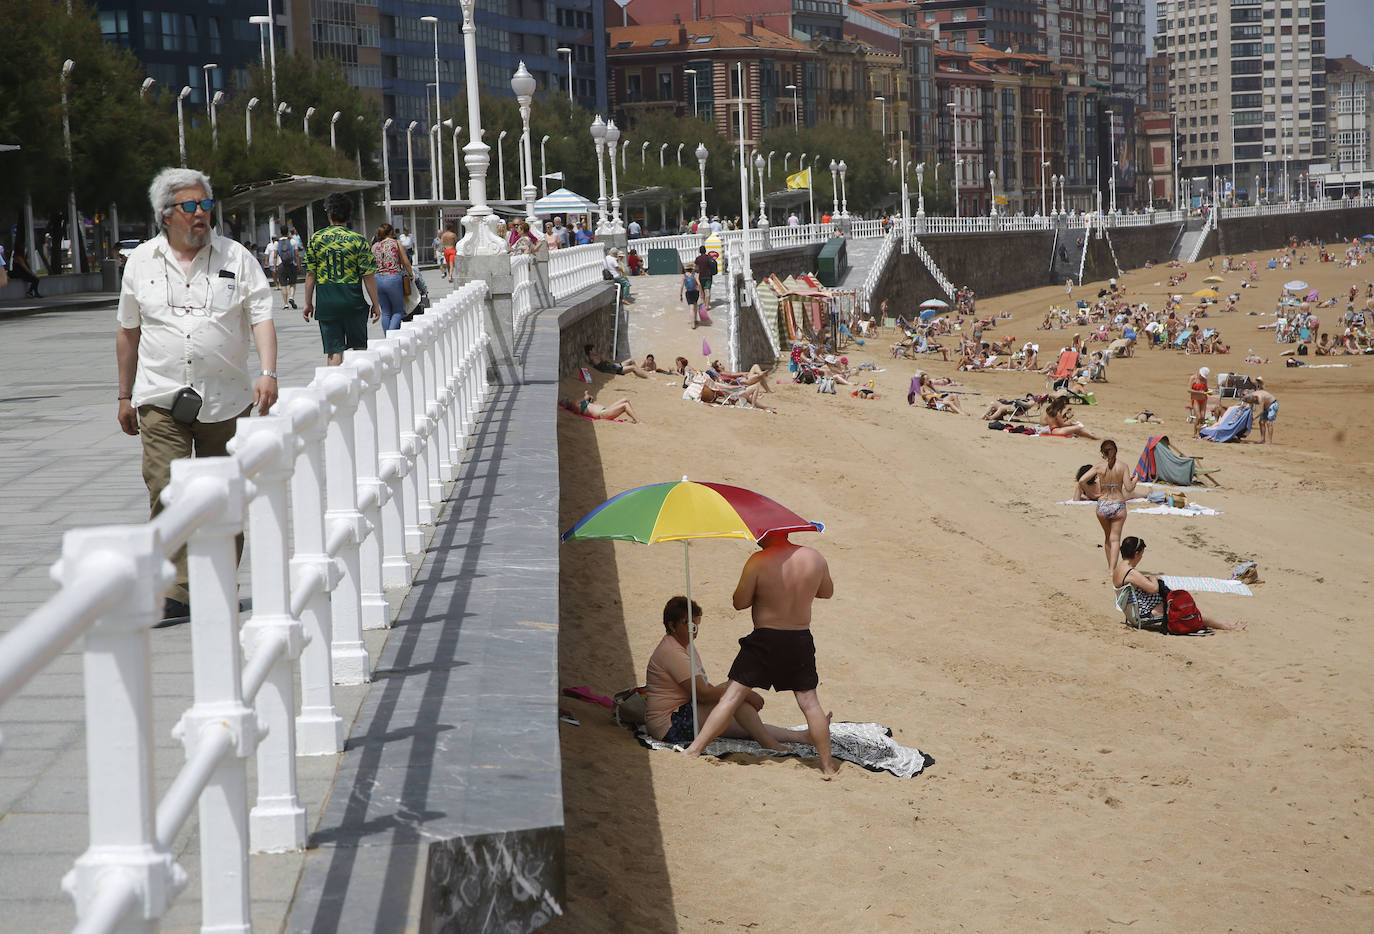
(867, 744)
(1207, 585)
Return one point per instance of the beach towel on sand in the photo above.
(867, 744)
(1235, 423)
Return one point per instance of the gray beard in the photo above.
(198, 240)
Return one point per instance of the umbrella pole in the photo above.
(691, 634)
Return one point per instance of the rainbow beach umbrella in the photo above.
(681, 511)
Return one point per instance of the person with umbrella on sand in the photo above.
(778, 584)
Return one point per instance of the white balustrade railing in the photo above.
(574, 268)
(785, 236)
(878, 269)
(940, 278)
(334, 485)
(686, 245)
(525, 288)
(865, 229)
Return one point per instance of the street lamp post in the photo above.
(523, 85)
(181, 121)
(612, 136)
(206, 69)
(810, 188)
(457, 175)
(248, 121)
(544, 168)
(771, 153)
(481, 238)
(386, 169)
(599, 143)
(992, 194)
(438, 109)
(758, 166)
(786, 157)
(214, 118)
(883, 100)
(624, 147)
(143, 88)
(796, 114)
(958, 167)
(565, 50)
(501, 165)
(693, 73)
(920, 187)
(701, 166)
(282, 109)
(679, 154)
(643, 152)
(844, 200)
(661, 150)
(333, 134)
(1041, 112)
(309, 112)
(834, 187)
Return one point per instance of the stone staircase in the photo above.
(1190, 244)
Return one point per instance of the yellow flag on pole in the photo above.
(801, 180)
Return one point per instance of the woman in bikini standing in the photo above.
(1115, 482)
(1198, 392)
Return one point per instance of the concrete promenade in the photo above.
(64, 463)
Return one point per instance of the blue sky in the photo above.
(1349, 29)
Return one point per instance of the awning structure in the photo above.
(292, 191)
(563, 200)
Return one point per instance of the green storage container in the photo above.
(664, 262)
(833, 262)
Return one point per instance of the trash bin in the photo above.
(833, 262)
(109, 275)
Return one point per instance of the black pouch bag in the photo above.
(186, 406)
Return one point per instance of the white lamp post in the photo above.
(282, 109)
(796, 114)
(844, 200)
(214, 118)
(181, 118)
(564, 50)
(834, 187)
(643, 152)
(333, 135)
(883, 100)
(410, 156)
(386, 169)
(786, 157)
(309, 112)
(206, 69)
(523, 85)
(599, 143)
(143, 88)
(992, 193)
(810, 185)
(438, 109)
(771, 153)
(272, 48)
(693, 73)
(481, 238)
(457, 174)
(661, 150)
(624, 147)
(958, 170)
(701, 166)
(920, 188)
(612, 137)
(248, 121)
(1041, 112)
(1111, 139)
(679, 154)
(544, 169)
(501, 165)
(758, 166)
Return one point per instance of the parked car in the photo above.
(125, 248)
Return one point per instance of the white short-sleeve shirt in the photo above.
(196, 328)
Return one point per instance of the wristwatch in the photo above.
(271, 373)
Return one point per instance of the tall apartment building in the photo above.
(1129, 75)
(1248, 84)
(1001, 24)
(1158, 99)
(1350, 120)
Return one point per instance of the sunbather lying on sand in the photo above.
(922, 385)
(1013, 408)
(589, 408)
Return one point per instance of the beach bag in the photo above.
(712, 265)
(631, 707)
(1181, 615)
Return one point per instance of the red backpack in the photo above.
(1181, 615)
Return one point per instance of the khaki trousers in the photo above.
(166, 440)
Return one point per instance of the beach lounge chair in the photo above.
(1064, 369)
(1233, 424)
(1182, 340)
(1129, 606)
(1160, 463)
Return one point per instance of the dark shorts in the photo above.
(606, 366)
(781, 659)
(692, 296)
(342, 334)
(286, 274)
(705, 282)
(681, 729)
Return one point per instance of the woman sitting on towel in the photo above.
(1056, 421)
(668, 690)
(1114, 481)
(1150, 591)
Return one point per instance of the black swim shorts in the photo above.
(781, 659)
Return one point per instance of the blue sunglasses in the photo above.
(189, 207)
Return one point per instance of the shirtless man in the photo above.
(448, 240)
(1268, 410)
(778, 584)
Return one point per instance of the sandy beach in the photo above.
(1088, 777)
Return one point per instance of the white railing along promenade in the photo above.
(573, 268)
(878, 269)
(525, 288)
(940, 278)
(785, 236)
(331, 489)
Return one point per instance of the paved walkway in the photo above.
(64, 463)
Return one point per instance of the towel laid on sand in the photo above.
(867, 744)
(1192, 509)
(1207, 585)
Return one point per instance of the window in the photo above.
(114, 27)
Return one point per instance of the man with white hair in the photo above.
(189, 302)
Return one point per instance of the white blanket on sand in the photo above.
(867, 744)
(1192, 509)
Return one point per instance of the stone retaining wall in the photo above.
(1244, 234)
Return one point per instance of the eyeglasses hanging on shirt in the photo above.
(195, 304)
